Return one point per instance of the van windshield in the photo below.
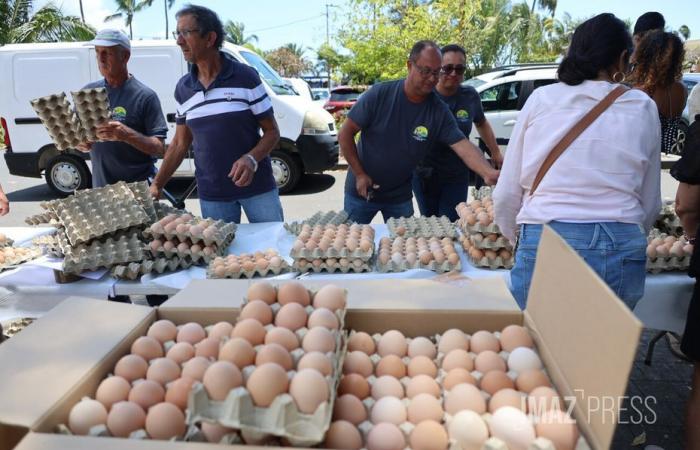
(268, 74)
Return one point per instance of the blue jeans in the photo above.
(438, 198)
(615, 251)
(265, 207)
(362, 211)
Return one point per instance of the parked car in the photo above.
(320, 95)
(308, 143)
(343, 97)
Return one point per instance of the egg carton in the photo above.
(331, 252)
(11, 257)
(92, 108)
(5, 241)
(198, 256)
(59, 120)
(403, 265)
(141, 192)
(673, 263)
(13, 326)
(264, 269)
(224, 235)
(670, 225)
(402, 260)
(104, 254)
(48, 218)
(466, 228)
(331, 265)
(422, 226)
(300, 250)
(482, 241)
(164, 209)
(135, 270)
(481, 193)
(493, 263)
(51, 245)
(319, 218)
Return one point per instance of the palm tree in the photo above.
(127, 9)
(549, 5)
(82, 14)
(684, 31)
(48, 24)
(297, 50)
(234, 32)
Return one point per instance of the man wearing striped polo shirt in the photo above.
(223, 105)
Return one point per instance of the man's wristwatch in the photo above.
(252, 159)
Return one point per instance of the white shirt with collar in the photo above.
(610, 173)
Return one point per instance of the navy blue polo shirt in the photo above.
(224, 119)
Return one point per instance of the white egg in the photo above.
(523, 358)
(513, 427)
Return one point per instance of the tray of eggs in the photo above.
(5, 241)
(399, 254)
(248, 265)
(13, 256)
(422, 226)
(331, 241)
(484, 391)
(287, 349)
(493, 241)
(319, 218)
(477, 216)
(668, 253)
(487, 258)
(195, 230)
(273, 379)
(197, 252)
(331, 265)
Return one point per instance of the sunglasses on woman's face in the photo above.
(449, 68)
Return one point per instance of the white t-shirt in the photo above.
(610, 173)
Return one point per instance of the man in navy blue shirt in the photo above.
(223, 105)
(400, 121)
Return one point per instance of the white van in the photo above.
(308, 143)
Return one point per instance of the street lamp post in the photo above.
(328, 67)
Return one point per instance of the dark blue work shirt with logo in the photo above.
(224, 122)
(396, 135)
(137, 106)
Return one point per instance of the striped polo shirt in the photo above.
(224, 119)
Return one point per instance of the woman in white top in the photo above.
(603, 193)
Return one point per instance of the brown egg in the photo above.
(429, 435)
(330, 296)
(258, 310)
(350, 408)
(146, 393)
(494, 381)
(453, 339)
(293, 292)
(178, 391)
(387, 386)
(181, 352)
(354, 384)
(195, 367)
(361, 341)
(392, 342)
(422, 384)
(421, 346)
(309, 389)
(484, 340)
(220, 378)
(124, 418)
(163, 370)
(343, 435)
(209, 347)
(358, 362)
(292, 316)
(457, 376)
(238, 351)
(147, 347)
(163, 331)
(131, 367)
(319, 339)
(464, 396)
(262, 291)
(266, 383)
(165, 421)
(530, 379)
(422, 365)
(457, 358)
(317, 361)
(424, 407)
(282, 336)
(323, 317)
(251, 330)
(191, 332)
(388, 409)
(390, 365)
(514, 336)
(385, 436)
(86, 414)
(214, 432)
(274, 353)
(112, 390)
(489, 360)
(558, 427)
(543, 399)
(508, 397)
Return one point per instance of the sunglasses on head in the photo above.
(449, 68)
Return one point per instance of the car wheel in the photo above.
(67, 173)
(286, 170)
(679, 142)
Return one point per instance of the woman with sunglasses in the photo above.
(442, 180)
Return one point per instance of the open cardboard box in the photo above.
(585, 335)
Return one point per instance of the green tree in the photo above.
(127, 9)
(684, 31)
(297, 50)
(234, 32)
(286, 62)
(20, 24)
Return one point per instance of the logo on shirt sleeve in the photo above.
(462, 115)
(119, 113)
(420, 133)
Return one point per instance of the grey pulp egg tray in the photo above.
(481, 193)
(135, 270)
(105, 253)
(672, 263)
(6, 242)
(224, 235)
(51, 244)
(92, 107)
(194, 257)
(332, 265)
(332, 252)
(422, 226)
(143, 196)
(319, 218)
(245, 272)
(403, 264)
(45, 218)
(486, 243)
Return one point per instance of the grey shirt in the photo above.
(136, 106)
(396, 135)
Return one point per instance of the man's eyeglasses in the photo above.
(426, 72)
(449, 68)
(184, 33)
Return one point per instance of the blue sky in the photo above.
(277, 22)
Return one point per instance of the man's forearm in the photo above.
(150, 145)
(265, 145)
(472, 157)
(487, 135)
(173, 157)
(349, 151)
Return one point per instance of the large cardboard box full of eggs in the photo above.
(585, 337)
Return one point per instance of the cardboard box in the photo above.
(585, 335)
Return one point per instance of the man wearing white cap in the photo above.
(131, 142)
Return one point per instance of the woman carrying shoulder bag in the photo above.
(584, 158)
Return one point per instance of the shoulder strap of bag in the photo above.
(575, 131)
